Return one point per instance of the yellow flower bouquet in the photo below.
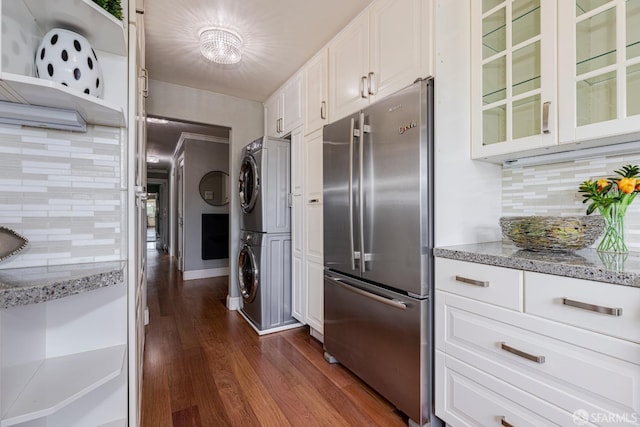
(611, 197)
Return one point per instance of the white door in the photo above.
(316, 92)
(180, 190)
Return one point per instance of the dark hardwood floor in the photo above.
(205, 366)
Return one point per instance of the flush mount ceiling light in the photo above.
(220, 45)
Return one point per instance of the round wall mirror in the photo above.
(214, 188)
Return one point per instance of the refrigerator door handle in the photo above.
(363, 266)
(351, 239)
(391, 302)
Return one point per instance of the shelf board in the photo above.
(102, 29)
(47, 93)
(62, 380)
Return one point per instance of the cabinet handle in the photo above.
(611, 311)
(323, 112)
(545, 117)
(362, 94)
(505, 423)
(144, 73)
(481, 283)
(533, 358)
(314, 200)
(370, 78)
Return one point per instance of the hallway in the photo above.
(204, 366)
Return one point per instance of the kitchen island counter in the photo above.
(583, 264)
(32, 285)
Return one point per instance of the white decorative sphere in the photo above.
(66, 57)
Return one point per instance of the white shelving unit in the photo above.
(24, 22)
(62, 380)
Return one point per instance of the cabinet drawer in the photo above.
(601, 307)
(466, 396)
(487, 283)
(570, 376)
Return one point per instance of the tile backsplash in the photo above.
(62, 191)
(553, 190)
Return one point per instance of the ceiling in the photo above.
(279, 37)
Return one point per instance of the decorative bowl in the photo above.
(552, 233)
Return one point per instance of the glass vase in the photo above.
(613, 239)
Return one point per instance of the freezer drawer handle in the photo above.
(533, 358)
(611, 311)
(392, 302)
(481, 283)
(505, 423)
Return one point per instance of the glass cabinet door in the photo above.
(513, 75)
(600, 62)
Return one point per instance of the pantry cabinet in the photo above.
(384, 49)
(284, 109)
(298, 290)
(316, 92)
(526, 348)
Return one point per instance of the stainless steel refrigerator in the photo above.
(378, 241)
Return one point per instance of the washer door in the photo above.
(248, 274)
(249, 184)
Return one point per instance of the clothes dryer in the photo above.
(264, 186)
(264, 280)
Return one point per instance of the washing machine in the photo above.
(264, 186)
(264, 280)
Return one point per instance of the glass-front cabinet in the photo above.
(599, 59)
(513, 76)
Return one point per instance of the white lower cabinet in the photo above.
(497, 365)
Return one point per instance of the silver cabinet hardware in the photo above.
(474, 282)
(362, 85)
(314, 200)
(370, 87)
(323, 110)
(545, 117)
(538, 359)
(505, 423)
(611, 311)
(144, 74)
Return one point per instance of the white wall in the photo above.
(245, 118)
(467, 192)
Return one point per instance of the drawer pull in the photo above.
(611, 311)
(505, 423)
(538, 359)
(481, 283)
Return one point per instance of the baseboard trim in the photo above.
(205, 274)
(316, 334)
(271, 330)
(233, 303)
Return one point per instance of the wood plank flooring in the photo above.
(204, 366)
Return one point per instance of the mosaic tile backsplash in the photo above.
(62, 191)
(553, 190)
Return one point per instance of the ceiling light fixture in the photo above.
(220, 45)
(153, 159)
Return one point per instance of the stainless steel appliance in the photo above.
(378, 240)
(264, 185)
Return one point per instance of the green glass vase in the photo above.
(613, 239)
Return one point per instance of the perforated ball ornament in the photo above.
(66, 57)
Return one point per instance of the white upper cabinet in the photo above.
(283, 110)
(513, 82)
(25, 22)
(600, 69)
(316, 92)
(384, 49)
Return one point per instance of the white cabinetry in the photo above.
(599, 59)
(298, 289)
(385, 48)
(539, 362)
(24, 23)
(517, 110)
(283, 110)
(316, 92)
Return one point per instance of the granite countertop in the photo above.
(583, 264)
(32, 285)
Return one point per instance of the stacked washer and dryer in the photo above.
(264, 260)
